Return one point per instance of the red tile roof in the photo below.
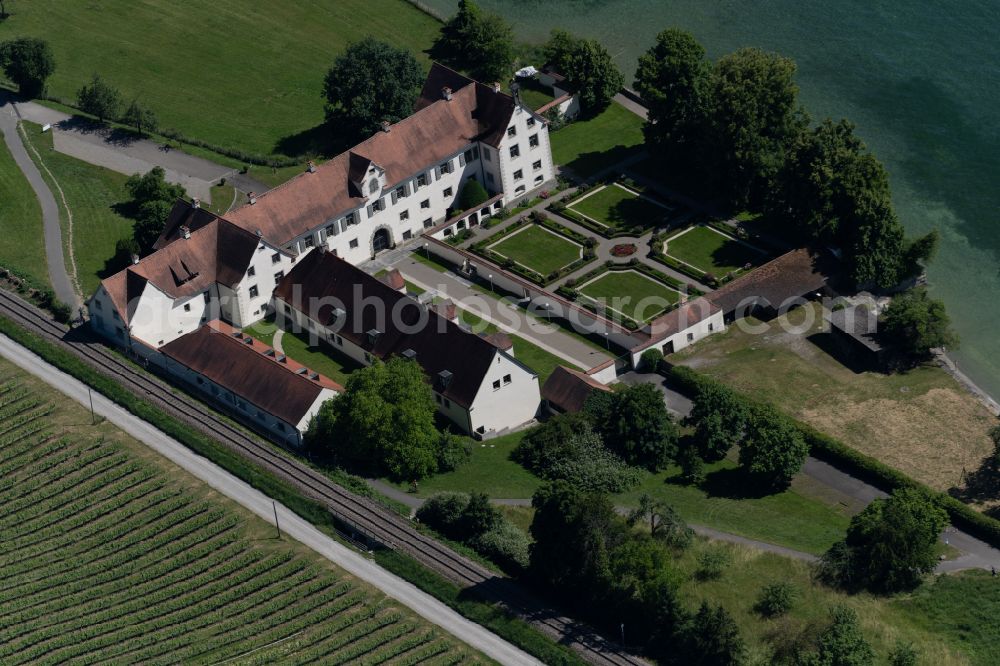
(568, 389)
(679, 319)
(250, 370)
(792, 275)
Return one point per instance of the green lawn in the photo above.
(710, 251)
(538, 249)
(631, 293)
(533, 94)
(590, 146)
(618, 208)
(91, 192)
(222, 198)
(323, 359)
(247, 75)
(22, 246)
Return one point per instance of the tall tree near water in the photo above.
(480, 43)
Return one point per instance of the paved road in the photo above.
(54, 259)
(291, 524)
(119, 152)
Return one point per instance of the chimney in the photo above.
(311, 167)
(496, 86)
(409, 353)
(252, 198)
(444, 379)
(135, 259)
(386, 126)
(185, 232)
(196, 203)
(260, 234)
(446, 93)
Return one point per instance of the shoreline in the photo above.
(949, 365)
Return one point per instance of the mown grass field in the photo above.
(233, 73)
(631, 293)
(920, 422)
(711, 252)
(113, 554)
(542, 251)
(617, 208)
(592, 145)
(91, 192)
(22, 245)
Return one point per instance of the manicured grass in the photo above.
(322, 358)
(22, 245)
(222, 198)
(92, 194)
(710, 251)
(114, 554)
(538, 249)
(921, 422)
(265, 78)
(533, 94)
(590, 146)
(617, 208)
(636, 296)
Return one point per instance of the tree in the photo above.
(719, 418)
(150, 220)
(635, 424)
(152, 186)
(141, 117)
(384, 420)
(588, 68)
(152, 200)
(673, 78)
(904, 654)
(479, 42)
(665, 524)
(473, 194)
(916, 323)
(889, 545)
(371, 82)
(841, 644)
(773, 450)
(711, 638)
(876, 251)
(28, 62)
(99, 98)
(776, 599)
(753, 118)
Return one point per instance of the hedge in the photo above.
(849, 460)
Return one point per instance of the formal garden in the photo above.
(708, 252)
(629, 293)
(615, 209)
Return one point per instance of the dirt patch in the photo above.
(933, 437)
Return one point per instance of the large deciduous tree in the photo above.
(915, 323)
(719, 418)
(28, 62)
(588, 67)
(635, 424)
(773, 449)
(99, 98)
(371, 82)
(480, 43)
(673, 79)
(141, 117)
(152, 199)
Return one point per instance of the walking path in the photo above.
(62, 285)
(255, 501)
(119, 151)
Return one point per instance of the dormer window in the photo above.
(373, 186)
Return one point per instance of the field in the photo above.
(91, 193)
(111, 553)
(22, 246)
(617, 208)
(247, 77)
(631, 293)
(920, 422)
(590, 146)
(710, 251)
(538, 249)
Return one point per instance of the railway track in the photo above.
(360, 513)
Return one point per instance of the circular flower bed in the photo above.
(623, 250)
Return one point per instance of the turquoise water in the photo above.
(920, 80)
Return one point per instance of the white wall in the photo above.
(512, 404)
(262, 273)
(526, 125)
(713, 324)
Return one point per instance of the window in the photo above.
(461, 160)
(711, 327)
(422, 180)
(187, 307)
(428, 223)
(469, 156)
(373, 186)
(405, 215)
(280, 427)
(350, 218)
(537, 165)
(496, 385)
(531, 121)
(515, 150)
(275, 258)
(97, 303)
(489, 177)
(279, 275)
(353, 244)
(539, 178)
(339, 340)
(398, 193)
(533, 141)
(376, 206)
(407, 235)
(120, 333)
(447, 192)
(519, 189)
(486, 155)
(512, 131)
(254, 292)
(445, 167)
(690, 337)
(426, 203)
(309, 241)
(519, 174)
(251, 271)
(331, 230)
(506, 380)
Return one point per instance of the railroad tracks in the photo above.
(360, 513)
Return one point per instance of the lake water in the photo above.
(920, 80)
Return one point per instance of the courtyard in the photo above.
(631, 294)
(616, 208)
(538, 249)
(711, 251)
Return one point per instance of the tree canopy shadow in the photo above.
(733, 483)
(324, 140)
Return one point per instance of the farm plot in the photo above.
(630, 293)
(110, 556)
(712, 251)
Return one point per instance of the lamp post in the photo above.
(490, 276)
(547, 316)
(607, 340)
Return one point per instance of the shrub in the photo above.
(443, 510)
(455, 451)
(776, 599)
(473, 194)
(650, 360)
(506, 545)
(713, 562)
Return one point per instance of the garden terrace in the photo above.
(538, 249)
(627, 292)
(615, 210)
(712, 251)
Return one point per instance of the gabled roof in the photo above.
(793, 274)
(568, 389)
(220, 353)
(388, 324)
(217, 251)
(438, 129)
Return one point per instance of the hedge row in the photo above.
(864, 467)
(679, 266)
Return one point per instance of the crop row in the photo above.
(24, 441)
(12, 395)
(15, 422)
(339, 639)
(24, 472)
(401, 647)
(21, 405)
(366, 645)
(91, 468)
(427, 652)
(27, 453)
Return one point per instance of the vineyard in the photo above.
(109, 555)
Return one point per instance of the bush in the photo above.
(650, 360)
(455, 451)
(473, 194)
(506, 545)
(713, 562)
(776, 599)
(442, 511)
